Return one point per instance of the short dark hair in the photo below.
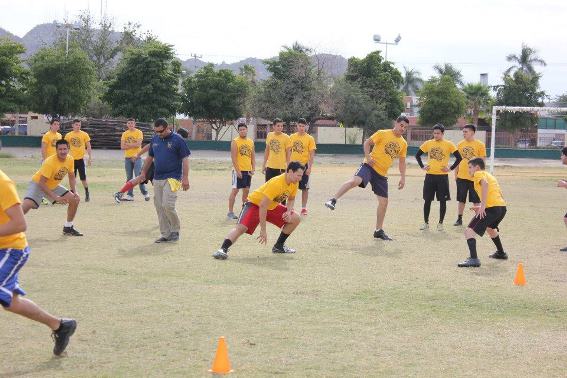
(302, 121)
(61, 141)
(54, 120)
(277, 120)
(183, 132)
(76, 120)
(242, 124)
(470, 126)
(294, 166)
(402, 118)
(477, 162)
(564, 151)
(131, 119)
(439, 127)
(160, 122)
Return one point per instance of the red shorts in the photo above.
(250, 216)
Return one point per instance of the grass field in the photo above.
(343, 305)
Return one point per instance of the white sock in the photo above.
(68, 224)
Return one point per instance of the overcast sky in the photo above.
(475, 36)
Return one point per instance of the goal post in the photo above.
(514, 109)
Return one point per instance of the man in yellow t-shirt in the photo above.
(489, 213)
(437, 170)
(243, 165)
(131, 144)
(49, 139)
(265, 205)
(14, 253)
(303, 150)
(46, 183)
(563, 184)
(277, 153)
(79, 142)
(386, 145)
(469, 148)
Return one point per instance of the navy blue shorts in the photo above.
(304, 183)
(379, 183)
(11, 261)
(241, 183)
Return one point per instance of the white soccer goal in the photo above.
(514, 109)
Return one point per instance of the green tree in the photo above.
(412, 81)
(146, 83)
(379, 80)
(216, 96)
(449, 70)
(61, 85)
(478, 99)
(519, 89)
(441, 102)
(524, 62)
(13, 76)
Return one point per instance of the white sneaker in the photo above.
(127, 197)
(440, 227)
(147, 196)
(424, 227)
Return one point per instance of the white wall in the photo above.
(456, 136)
(336, 135)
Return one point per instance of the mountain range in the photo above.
(46, 34)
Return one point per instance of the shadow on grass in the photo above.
(435, 235)
(141, 232)
(40, 243)
(52, 364)
(380, 248)
(271, 261)
(152, 249)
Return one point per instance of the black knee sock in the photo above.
(282, 239)
(226, 245)
(498, 244)
(460, 217)
(472, 247)
(87, 190)
(442, 210)
(426, 211)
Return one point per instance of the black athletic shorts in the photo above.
(241, 183)
(379, 183)
(494, 216)
(304, 183)
(80, 166)
(436, 185)
(464, 188)
(150, 174)
(272, 172)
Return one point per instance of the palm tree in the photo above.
(412, 81)
(525, 61)
(478, 98)
(449, 70)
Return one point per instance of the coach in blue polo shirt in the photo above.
(170, 155)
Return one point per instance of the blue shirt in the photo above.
(168, 154)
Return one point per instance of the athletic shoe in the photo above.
(230, 215)
(162, 239)
(304, 212)
(282, 249)
(469, 263)
(71, 231)
(173, 237)
(424, 227)
(127, 197)
(499, 255)
(44, 201)
(147, 197)
(62, 335)
(440, 227)
(564, 249)
(331, 203)
(459, 222)
(380, 234)
(118, 197)
(87, 197)
(220, 254)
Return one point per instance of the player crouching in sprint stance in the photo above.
(488, 216)
(265, 204)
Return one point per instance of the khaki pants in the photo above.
(164, 201)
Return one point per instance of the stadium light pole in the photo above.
(378, 39)
(68, 27)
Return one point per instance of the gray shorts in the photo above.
(36, 194)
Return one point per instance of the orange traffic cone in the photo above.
(221, 364)
(520, 278)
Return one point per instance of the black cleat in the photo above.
(162, 239)
(173, 237)
(282, 249)
(62, 335)
(87, 197)
(71, 231)
(331, 204)
(499, 255)
(459, 222)
(469, 263)
(118, 197)
(220, 254)
(380, 234)
(564, 249)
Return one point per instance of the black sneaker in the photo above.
(162, 239)
(87, 197)
(469, 263)
(499, 255)
(564, 249)
(173, 237)
(220, 254)
(459, 222)
(62, 335)
(380, 234)
(71, 231)
(118, 197)
(331, 204)
(282, 249)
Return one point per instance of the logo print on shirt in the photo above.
(468, 153)
(130, 139)
(169, 145)
(244, 150)
(60, 174)
(76, 142)
(298, 147)
(282, 197)
(437, 154)
(392, 149)
(275, 146)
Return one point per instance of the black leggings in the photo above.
(427, 210)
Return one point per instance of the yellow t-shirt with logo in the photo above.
(278, 144)
(244, 148)
(439, 153)
(276, 189)
(494, 197)
(50, 138)
(387, 147)
(301, 146)
(78, 143)
(469, 151)
(8, 198)
(54, 170)
(132, 136)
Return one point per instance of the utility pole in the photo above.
(195, 57)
